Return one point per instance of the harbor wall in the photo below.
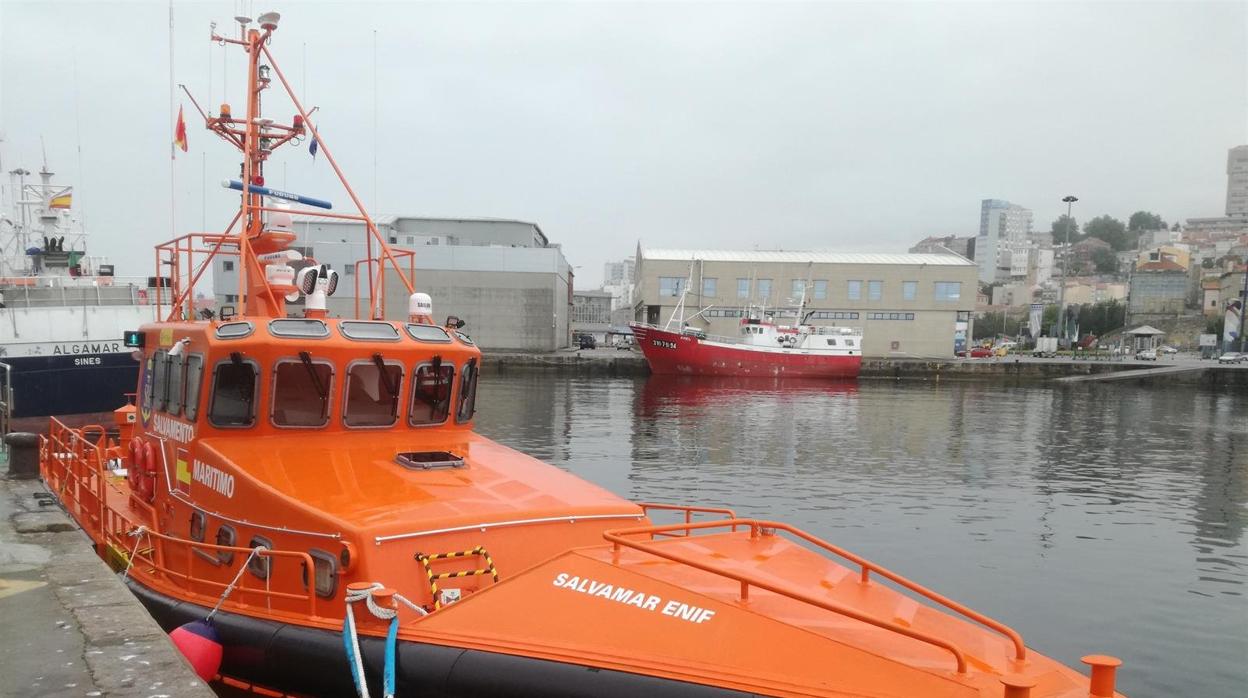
(624, 364)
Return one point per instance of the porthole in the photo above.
(326, 573)
(199, 522)
(226, 536)
(260, 565)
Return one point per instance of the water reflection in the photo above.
(1093, 518)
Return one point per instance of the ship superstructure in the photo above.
(63, 310)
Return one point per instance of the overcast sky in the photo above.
(858, 127)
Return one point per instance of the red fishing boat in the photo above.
(762, 349)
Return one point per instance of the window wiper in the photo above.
(391, 388)
(245, 389)
(321, 390)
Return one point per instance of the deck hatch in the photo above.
(369, 331)
(428, 460)
(234, 330)
(302, 328)
(428, 333)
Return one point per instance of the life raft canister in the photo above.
(142, 472)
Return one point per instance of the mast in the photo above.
(265, 228)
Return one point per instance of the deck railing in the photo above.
(624, 538)
(75, 463)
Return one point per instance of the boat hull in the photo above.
(309, 660)
(672, 353)
(70, 384)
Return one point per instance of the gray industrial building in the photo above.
(1004, 229)
(591, 314)
(510, 285)
(906, 304)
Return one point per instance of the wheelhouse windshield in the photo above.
(372, 393)
(301, 392)
(431, 393)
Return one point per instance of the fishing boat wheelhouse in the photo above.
(310, 492)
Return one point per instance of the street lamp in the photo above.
(1061, 287)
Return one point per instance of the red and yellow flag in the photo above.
(179, 133)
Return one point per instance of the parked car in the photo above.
(1167, 350)
(1233, 357)
(1146, 355)
(977, 353)
(587, 341)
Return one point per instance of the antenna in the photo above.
(268, 21)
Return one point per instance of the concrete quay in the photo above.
(70, 627)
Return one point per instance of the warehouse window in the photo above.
(948, 290)
(764, 289)
(670, 285)
(821, 290)
(854, 290)
(909, 289)
(743, 288)
(875, 289)
(709, 287)
(798, 288)
(833, 315)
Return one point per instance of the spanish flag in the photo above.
(179, 133)
(63, 199)
(183, 478)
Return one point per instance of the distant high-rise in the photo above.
(1004, 228)
(620, 272)
(1237, 181)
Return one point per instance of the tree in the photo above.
(1060, 227)
(1216, 326)
(1105, 260)
(1145, 220)
(1110, 230)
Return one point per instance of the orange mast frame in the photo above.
(257, 137)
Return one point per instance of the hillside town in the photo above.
(1112, 272)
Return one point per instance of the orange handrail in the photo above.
(75, 465)
(618, 538)
(689, 511)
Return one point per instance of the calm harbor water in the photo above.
(1092, 518)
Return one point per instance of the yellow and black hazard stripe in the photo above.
(426, 561)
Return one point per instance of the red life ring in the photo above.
(142, 472)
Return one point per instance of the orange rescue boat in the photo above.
(313, 489)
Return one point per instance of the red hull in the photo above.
(674, 353)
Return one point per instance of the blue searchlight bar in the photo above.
(277, 194)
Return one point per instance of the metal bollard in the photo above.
(23, 455)
(1101, 683)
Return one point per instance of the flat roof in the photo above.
(791, 256)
